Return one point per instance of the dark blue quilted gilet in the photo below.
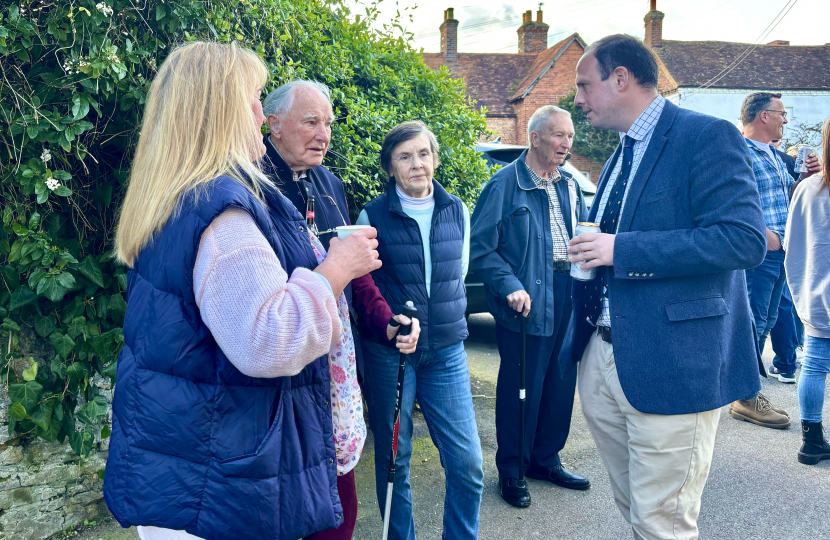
(196, 445)
(402, 276)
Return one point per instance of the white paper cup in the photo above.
(346, 230)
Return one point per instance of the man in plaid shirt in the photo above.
(520, 231)
(763, 116)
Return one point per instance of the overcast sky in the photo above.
(496, 22)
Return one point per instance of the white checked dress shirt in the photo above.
(558, 230)
(641, 131)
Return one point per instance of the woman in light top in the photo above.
(237, 413)
(807, 262)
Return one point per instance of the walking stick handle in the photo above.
(410, 311)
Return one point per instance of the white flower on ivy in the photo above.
(73, 67)
(46, 155)
(111, 53)
(103, 8)
(53, 184)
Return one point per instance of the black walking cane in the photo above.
(522, 358)
(409, 311)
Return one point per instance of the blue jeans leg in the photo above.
(814, 369)
(765, 284)
(447, 402)
(381, 376)
(799, 329)
(783, 335)
(442, 384)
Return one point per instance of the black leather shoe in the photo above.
(514, 491)
(560, 476)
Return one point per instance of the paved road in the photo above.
(757, 490)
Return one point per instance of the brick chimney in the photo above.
(654, 26)
(533, 35)
(449, 36)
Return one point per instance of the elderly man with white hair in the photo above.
(299, 115)
(521, 227)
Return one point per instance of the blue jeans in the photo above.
(765, 284)
(814, 369)
(441, 382)
(784, 335)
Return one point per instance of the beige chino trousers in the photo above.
(658, 464)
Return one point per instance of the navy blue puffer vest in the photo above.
(196, 445)
(402, 275)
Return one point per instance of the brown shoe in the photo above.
(758, 410)
(779, 411)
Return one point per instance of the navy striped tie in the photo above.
(591, 291)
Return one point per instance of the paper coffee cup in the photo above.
(346, 230)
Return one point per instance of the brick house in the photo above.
(714, 77)
(512, 86)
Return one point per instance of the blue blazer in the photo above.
(684, 337)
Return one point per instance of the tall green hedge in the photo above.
(73, 80)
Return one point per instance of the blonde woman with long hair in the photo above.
(807, 245)
(222, 416)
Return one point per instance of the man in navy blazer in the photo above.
(664, 333)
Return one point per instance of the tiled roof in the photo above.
(543, 63)
(490, 78)
(695, 63)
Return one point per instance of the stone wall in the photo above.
(45, 487)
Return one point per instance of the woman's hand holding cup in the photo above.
(352, 257)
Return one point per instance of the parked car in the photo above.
(503, 154)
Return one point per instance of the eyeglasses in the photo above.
(783, 113)
(407, 160)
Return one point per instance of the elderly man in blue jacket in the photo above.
(664, 333)
(521, 227)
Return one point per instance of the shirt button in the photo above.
(326, 402)
(538, 282)
(337, 517)
(538, 236)
(301, 228)
(331, 461)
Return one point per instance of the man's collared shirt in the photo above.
(558, 229)
(774, 182)
(641, 131)
(294, 175)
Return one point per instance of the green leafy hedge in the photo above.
(73, 79)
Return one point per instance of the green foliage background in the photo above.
(73, 80)
(597, 144)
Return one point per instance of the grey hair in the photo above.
(279, 101)
(540, 119)
(755, 104)
(401, 133)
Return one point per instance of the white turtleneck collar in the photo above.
(412, 203)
